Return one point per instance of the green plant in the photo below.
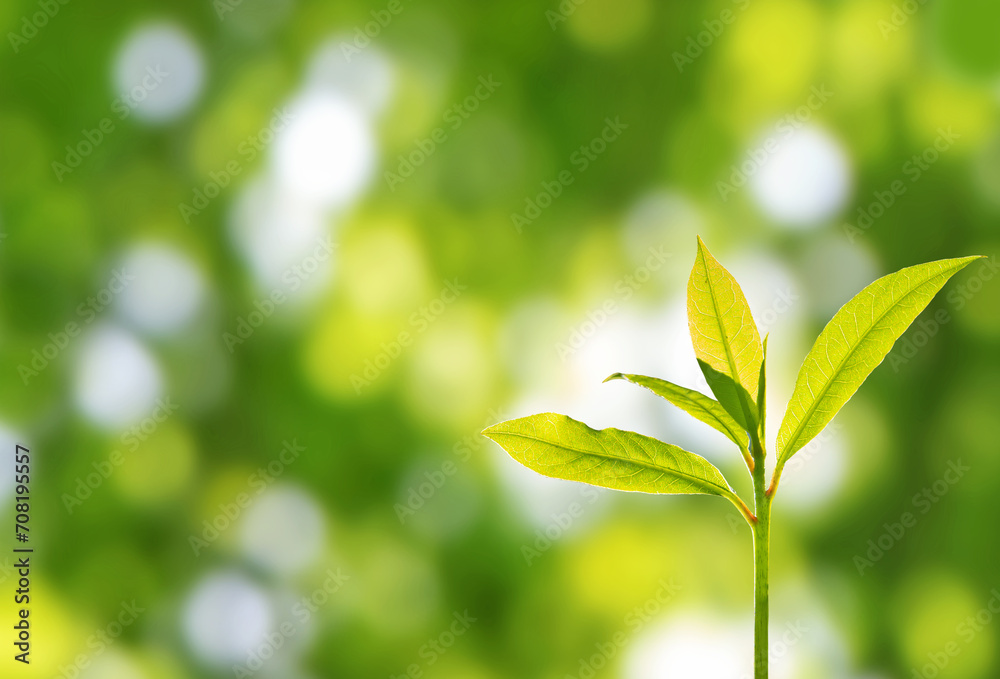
(732, 357)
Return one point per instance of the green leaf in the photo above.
(853, 343)
(761, 391)
(560, 447)
(694, 403)
(725, 338)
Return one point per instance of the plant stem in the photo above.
(761, 552)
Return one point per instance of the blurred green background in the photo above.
(268, 267)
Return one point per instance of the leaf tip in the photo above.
(962, 262)
(615, 376)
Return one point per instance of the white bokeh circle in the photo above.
(225, 618)
(9, 440)
(804, 180)
(166, 291)
(275, 230)
(159, 72)
(326, 152)
(283, 531)
(117, 379)
(366, 77)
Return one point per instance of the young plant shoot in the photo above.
(732, 357)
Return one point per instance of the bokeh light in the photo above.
(159, 72)
(117, 379)
(225, 617)
(283, 531)
(265, 415)
(326, 153)
(806, 180)
(367, 79)
(166, 292)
